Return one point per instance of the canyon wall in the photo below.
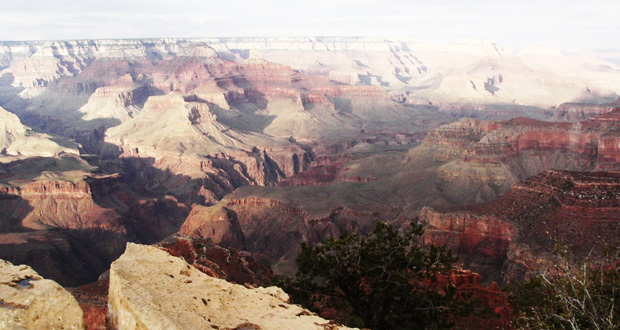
(582, 111)
(514, 236)
(70, 231)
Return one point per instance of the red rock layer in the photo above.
(317, 175)
(594, 140)
(93, 299)
(511, 237)
(494, 300)
(270, 229)
(218, 261)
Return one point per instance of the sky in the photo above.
(565, 24)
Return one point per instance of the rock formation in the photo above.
(70, 224)
(28, 301)
(466, 162)
(121, 100)
(582, 111)
(499, 153)
(512, 237)
(93, 300)
(272, 229)
(149, 289)
(470, 71)
(210, 258)
(218, 261)
(274, 141)
(17, 139)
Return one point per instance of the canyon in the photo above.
(240, 149)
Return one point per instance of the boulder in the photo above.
(28, 301)
(150, 289)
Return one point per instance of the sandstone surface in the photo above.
(149, 289)
(210, 258)
(28, 301)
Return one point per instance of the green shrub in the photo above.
(386, 279)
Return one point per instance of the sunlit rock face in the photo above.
(32, 302)
(214, 114)
(18, 140)
(218, 261)
(499, 153)
(150, 289)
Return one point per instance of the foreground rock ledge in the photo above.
(150, 289)
(28, 301)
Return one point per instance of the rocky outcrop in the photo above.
(62, 204)
(482, 242)
(48, 63)
(89, 202)
(28, 301)
(17, 139)
(453, 138)
(492, 155)
(121, 100)
(210, 258)
(511, 238)
(149, 289)
(184, 137)
(581, 111)
(218, 261)
(271, 229)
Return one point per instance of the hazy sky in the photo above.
(566, 24)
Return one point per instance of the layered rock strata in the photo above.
(72, 225)
(513, 237)
(492, 155)
(582, 111)
(271, 229)
(149, 289)
(469, 71)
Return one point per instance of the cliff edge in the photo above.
(150, 289)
